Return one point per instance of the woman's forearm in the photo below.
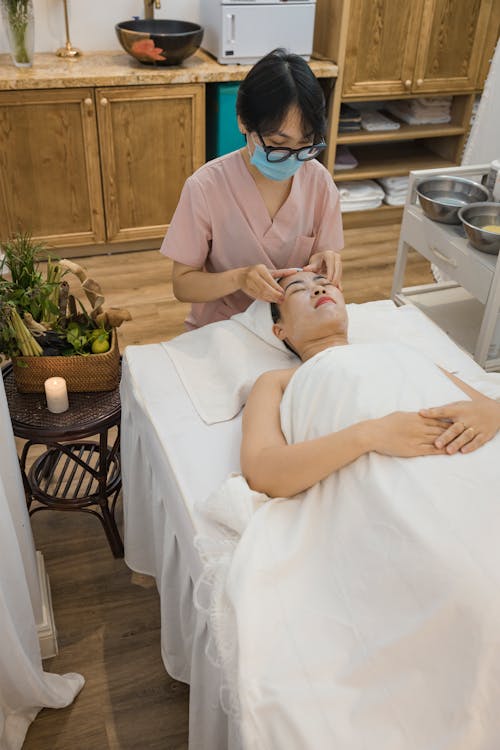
(285, 470)
(200, 286)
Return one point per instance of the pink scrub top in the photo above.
(221, 222)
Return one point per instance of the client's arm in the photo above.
(474, 422)
(272, 466)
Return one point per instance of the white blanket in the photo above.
(364, 613)
(219, 363)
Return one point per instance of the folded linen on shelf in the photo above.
(421, 111)
(359, 195)
(394, 184)
(355, 190)
(362, 205)
(344, 158)
(349, 119)
(395, 199)
(377, 121)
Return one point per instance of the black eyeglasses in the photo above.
(282, 153)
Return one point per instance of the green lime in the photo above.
(100, 345)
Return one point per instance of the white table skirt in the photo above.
(169, 460)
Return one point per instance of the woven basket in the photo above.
(94, 372)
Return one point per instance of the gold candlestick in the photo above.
(68, 51)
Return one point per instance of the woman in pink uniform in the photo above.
(245, 217)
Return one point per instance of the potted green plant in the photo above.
(46, 331)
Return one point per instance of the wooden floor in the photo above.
(109, 629)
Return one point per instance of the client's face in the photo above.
(312, 309)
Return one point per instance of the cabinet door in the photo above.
(381, 45)
(50, 181)
(451, 45)
(152, 138)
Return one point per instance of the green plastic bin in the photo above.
(223, 135)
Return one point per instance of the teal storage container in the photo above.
(223, 135)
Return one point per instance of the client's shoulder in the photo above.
(275, 379)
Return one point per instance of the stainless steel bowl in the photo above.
(475, 218)
(442, 197)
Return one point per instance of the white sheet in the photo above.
(24, 687)
(364, 613)
(172, 460)
(218, 364)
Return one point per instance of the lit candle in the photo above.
(56, 394)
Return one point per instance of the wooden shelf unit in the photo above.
(389, 159)
(395, 50)
(405, 133)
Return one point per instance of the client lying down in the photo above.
(313, 319)
(363, 611)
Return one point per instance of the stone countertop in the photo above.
(117, 68)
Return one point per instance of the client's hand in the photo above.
(328, 263)
(473, 423)
(406, 434)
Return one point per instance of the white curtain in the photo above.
(24, 687)
(484, 140)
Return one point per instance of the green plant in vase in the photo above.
(19, 22)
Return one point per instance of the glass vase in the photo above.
(19, 23)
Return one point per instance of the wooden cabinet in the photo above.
(381, 47)
(89, 166)
(388, 49)
(50, 181)
(151, 139)
(451, 37)
(426, 46)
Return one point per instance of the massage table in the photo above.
(171, 461)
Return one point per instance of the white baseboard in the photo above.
(46, 629)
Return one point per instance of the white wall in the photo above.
(91, 22)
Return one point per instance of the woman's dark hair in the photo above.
(275, 312)
(276, 316)
(278, 81)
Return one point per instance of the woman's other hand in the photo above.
(259, 282)
(329, 263)
(473, 423)
(405, 434)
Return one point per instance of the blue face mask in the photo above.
(276, 170)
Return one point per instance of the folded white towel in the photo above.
(357, 189)
(394, 183)
(420, 112)
(361, 205)
(395, 199)
(377, 121)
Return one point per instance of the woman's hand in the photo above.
(259, 282)
(473, 423)
(405, 434)
(328, 263)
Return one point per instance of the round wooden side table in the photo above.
(73, 473)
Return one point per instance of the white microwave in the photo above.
(243, 31)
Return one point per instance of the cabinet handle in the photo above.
(408, 84)
(420, 81)
(88, 102)
(104, 101)
(450, 261)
